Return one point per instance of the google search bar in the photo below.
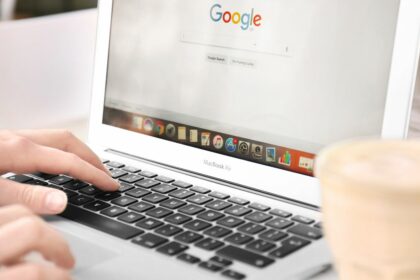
(235, 43)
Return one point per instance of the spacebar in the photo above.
(100, 222)
(239, 254)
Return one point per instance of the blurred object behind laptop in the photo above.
(46, 69)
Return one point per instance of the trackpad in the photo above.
(86, 253)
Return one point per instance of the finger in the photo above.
(28, 234)
(65, 141)
(13, 212)
(24, 156)
(29, 271)
(39, 199)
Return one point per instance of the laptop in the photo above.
(210, 114)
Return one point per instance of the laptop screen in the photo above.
(269, 81)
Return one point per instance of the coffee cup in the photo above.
(371, 208)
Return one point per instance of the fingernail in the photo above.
(116, 184)
(56, 201)
(108, 172)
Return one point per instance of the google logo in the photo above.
(246, 20)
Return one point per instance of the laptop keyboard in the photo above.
(170, 216)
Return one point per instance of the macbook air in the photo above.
(210, 114)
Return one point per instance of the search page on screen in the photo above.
(286, 74)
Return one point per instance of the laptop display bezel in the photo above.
(252, 175)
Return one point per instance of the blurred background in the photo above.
(46, 65)
(20, 9)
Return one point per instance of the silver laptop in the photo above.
(210, 114)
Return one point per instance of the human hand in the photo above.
(21, 232)
(49, 151)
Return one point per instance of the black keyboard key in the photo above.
(115, 164)
(303, 220)
(221, 261)
(168, 230)
(273, 235)
(289, 246)
(197, 225)
(258, 217)
(178, 219)
(199, 189)
(149, 223)
(130, 178)
(125, 187)
(233, 274)
(155, 198)
(140, 206)
(260, 245)
(149, 240)
(99, 222)
(137, 192)
(60, 180)
(245, 256)
(55, 187)
(238, 210)
(19, 178)
(75, 185)
(318, 225)
(181, 194)
(199, 199)
(123, 201)
(173, 203)
(217, 231)
(239, 238)
(173, 248)
(90, 190)
(279, 223)
(238, 200)
(70, 194)
(113, 211)
(130, 217)
(97, 205)
(163, 188)
(182, 184)
(36, 182)
(159, 212)
(280, 213)
(219, 195)
(218, 205)
(104, 160)
(108, 196)
(188, 258)
(147, 174)
(306, 231)
(191, 209)
(230, 222)
(80, 200)
(251, 228)
(210, 215)
(188, 237)
(209, 244)
(116, 173)
(164, 179)
(259, 207)
(44, 176)
(210, 266)
(147, 183)
(131, 169)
